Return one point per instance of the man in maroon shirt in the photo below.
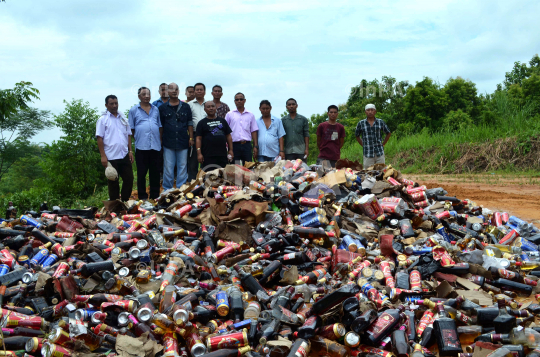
(330, 138)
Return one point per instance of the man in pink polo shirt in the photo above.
(244, 129)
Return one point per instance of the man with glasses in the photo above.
(222, 108)
(244, 129)
(177, 122)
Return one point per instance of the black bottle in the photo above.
(446, 334)
(504, 323)
(362, 322)
(382, 326)
(248, 281)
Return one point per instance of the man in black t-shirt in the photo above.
(212, 136)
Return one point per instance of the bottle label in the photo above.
(449, 338)
(382, 322)
(303, 350)
(289, 256)
(506, 274)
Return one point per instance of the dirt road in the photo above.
(517, 196)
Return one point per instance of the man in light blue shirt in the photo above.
(146, 128)
(271, 133)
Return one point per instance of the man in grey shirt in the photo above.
(296, 133)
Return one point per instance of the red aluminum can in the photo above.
(61, 270)
(296, 164)
(170, 344)
(63, 234)
(411, 190)
(496, 219)
(388, 277)
(131, 217)
(33, 345)
(407, 182)
(35, 323)
(415, 280)
(505, 217)
(509, 238)
(419, 196)
(424, 203)
(61, 337)
(49, 216)
(309, 202)
(134, 227)
(217, 256)
(150, 221)
(7, 258)
(443, 215)
(426, 319)
(230, 340)
(393, 181)
(52, 350)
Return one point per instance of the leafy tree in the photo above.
(72, 164)
(13, 100)
(462, 95)
(455, 120)
(425, 105)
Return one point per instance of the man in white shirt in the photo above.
(198, 113)
(113, 135)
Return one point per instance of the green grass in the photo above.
(509, 121)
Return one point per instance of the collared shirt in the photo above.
(159, 102)
(222, 110)
(197, 112)
(242, 124)
(296, 130)
(115, 132)
(269, 138)
(146, 127)
(371, 136)
(175, 123)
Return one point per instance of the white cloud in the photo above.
(314, 51)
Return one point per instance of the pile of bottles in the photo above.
(321, 271)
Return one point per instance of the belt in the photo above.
(242, 142)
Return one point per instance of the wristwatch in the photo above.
(255, 146)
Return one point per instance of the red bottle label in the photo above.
(381, 323)
(449, 338)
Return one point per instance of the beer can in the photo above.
(509, 238)
(393, 181)
(33, 344)
(505, 217)
(23, 259)
(7, 258)
(419, 196)
(333, 331)
(4, 268)
(50, 260)
(442, 231)
(370, 291)
(29, 221)
(222, 303)
(84, 314)
(230, 340)
(306, 216)
(60, 337)
(415, 280)
(53, 350)
(370, 205)
(316, 221)
(309, 202)
(39, 257)
(422, 204)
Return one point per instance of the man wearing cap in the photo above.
(368, 135)
(114, 142)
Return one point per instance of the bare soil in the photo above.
(519, 196)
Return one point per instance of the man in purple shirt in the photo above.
(114, 142)
(244, 129)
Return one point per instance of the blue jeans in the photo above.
(171, 158)
(262, 158)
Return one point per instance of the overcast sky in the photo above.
(314, 51)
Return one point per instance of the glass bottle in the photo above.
(321, 346)
(446, 334)
(383, 326)
(467, 334)
(504, 323)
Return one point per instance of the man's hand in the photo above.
(306, 152)
(282, 154)
(200, 158)
(231, 155)
(255, 153)
(191, 142)
(104, 161)
(130, 154)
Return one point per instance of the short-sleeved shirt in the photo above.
(158, 103)
(330, 139)
(242, 124)
(213, 133)
(371, 136)
(146, 127)
(296, 130)
(269, 138)
(175, 120)
(197, 111)
(115, 132)
(222, 110)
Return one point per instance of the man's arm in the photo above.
(230, 144)
(306, 140)
(386, 139)
(130, 153)
(190, 131)
(359, 139)
(281, 148)
(200, 157)
(254, 137)
(306, 136)
(101, 147)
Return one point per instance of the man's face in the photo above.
(239, 101)
(112, 106)
(291, 106)
(172, 91)
(332, 114)
(370, 113)
(144, 96)
(210, 108)
(217, 93)
(164, 91)
(199, 92)
(190, 93)
(265, 110)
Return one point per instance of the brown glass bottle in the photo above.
(382, 326)
(446, 334)
(321, 346)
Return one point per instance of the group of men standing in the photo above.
(174, 137)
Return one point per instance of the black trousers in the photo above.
(192, 164)
(212, 163)
(147, 162)
(125, 171)
(242, 151)
(295, 157)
